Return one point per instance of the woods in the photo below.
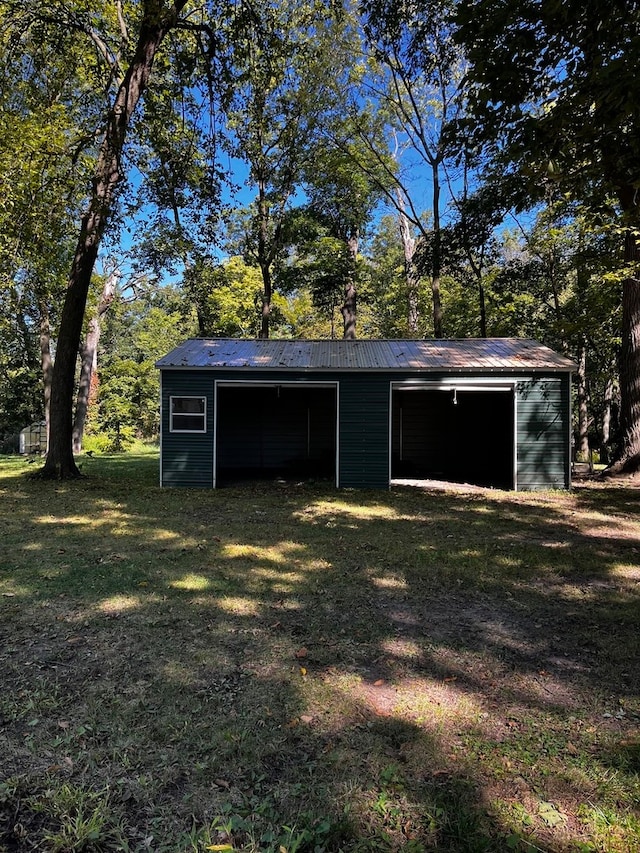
(324, 170)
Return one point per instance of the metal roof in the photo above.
(487, 355)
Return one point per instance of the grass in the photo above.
(287, 667)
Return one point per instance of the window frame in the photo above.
(173, 414)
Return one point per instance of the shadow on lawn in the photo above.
(421, 669)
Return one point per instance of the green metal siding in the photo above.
(543, 433)
(187, 458)
(364, 431)
(542, 428)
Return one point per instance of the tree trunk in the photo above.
(582, 442)
(411, 275)
(156, 22)
(437, 253)
(483, 308)
(266, 300)
(628, 459)
(264, 258)
(350, 307)
(606, 421)
(46, 363)
(349, 311)
(89, 359)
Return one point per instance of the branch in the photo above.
(122, 23)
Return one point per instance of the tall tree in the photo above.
(281, 64)
(157, 19)
(226, 298)
(555, 87)
(43, 163)
(416, 83)
(114, 49)
(343, 199)
(401, 306)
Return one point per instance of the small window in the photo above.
(188, 414)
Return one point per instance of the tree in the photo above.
(21, 400)
(400, 301)
(554, 87)
(140, 329)
(343, 200)
(280, 65)
(43, 163)
(156, 21)
(112, 52)
(471, 236)
(416, 83)
(89, 356)
(556, 279)
(226, 298)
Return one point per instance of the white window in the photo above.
(188, 414)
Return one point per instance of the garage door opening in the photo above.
(269, 432)
(460, 435)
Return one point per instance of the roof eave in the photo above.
(442, 369)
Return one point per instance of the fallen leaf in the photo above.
(306, 718)
(550, 814)
(221, 783)
(303, 671)
(301, 653)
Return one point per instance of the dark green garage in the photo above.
(363, 414)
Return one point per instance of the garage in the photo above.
(268, 431)
(458, 433)
(492, 412)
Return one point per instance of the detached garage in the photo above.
(362, 414)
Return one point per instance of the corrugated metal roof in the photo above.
(487, 355)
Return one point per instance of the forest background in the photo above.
(317, 170)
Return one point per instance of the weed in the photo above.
(85, 821)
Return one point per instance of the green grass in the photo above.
(290, 667)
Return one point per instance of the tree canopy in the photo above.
(555, 99)
(273, 163)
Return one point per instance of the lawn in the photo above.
(287, 667)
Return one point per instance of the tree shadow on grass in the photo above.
(404, 671)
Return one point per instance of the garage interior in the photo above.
(269, 432)
(458, 435)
